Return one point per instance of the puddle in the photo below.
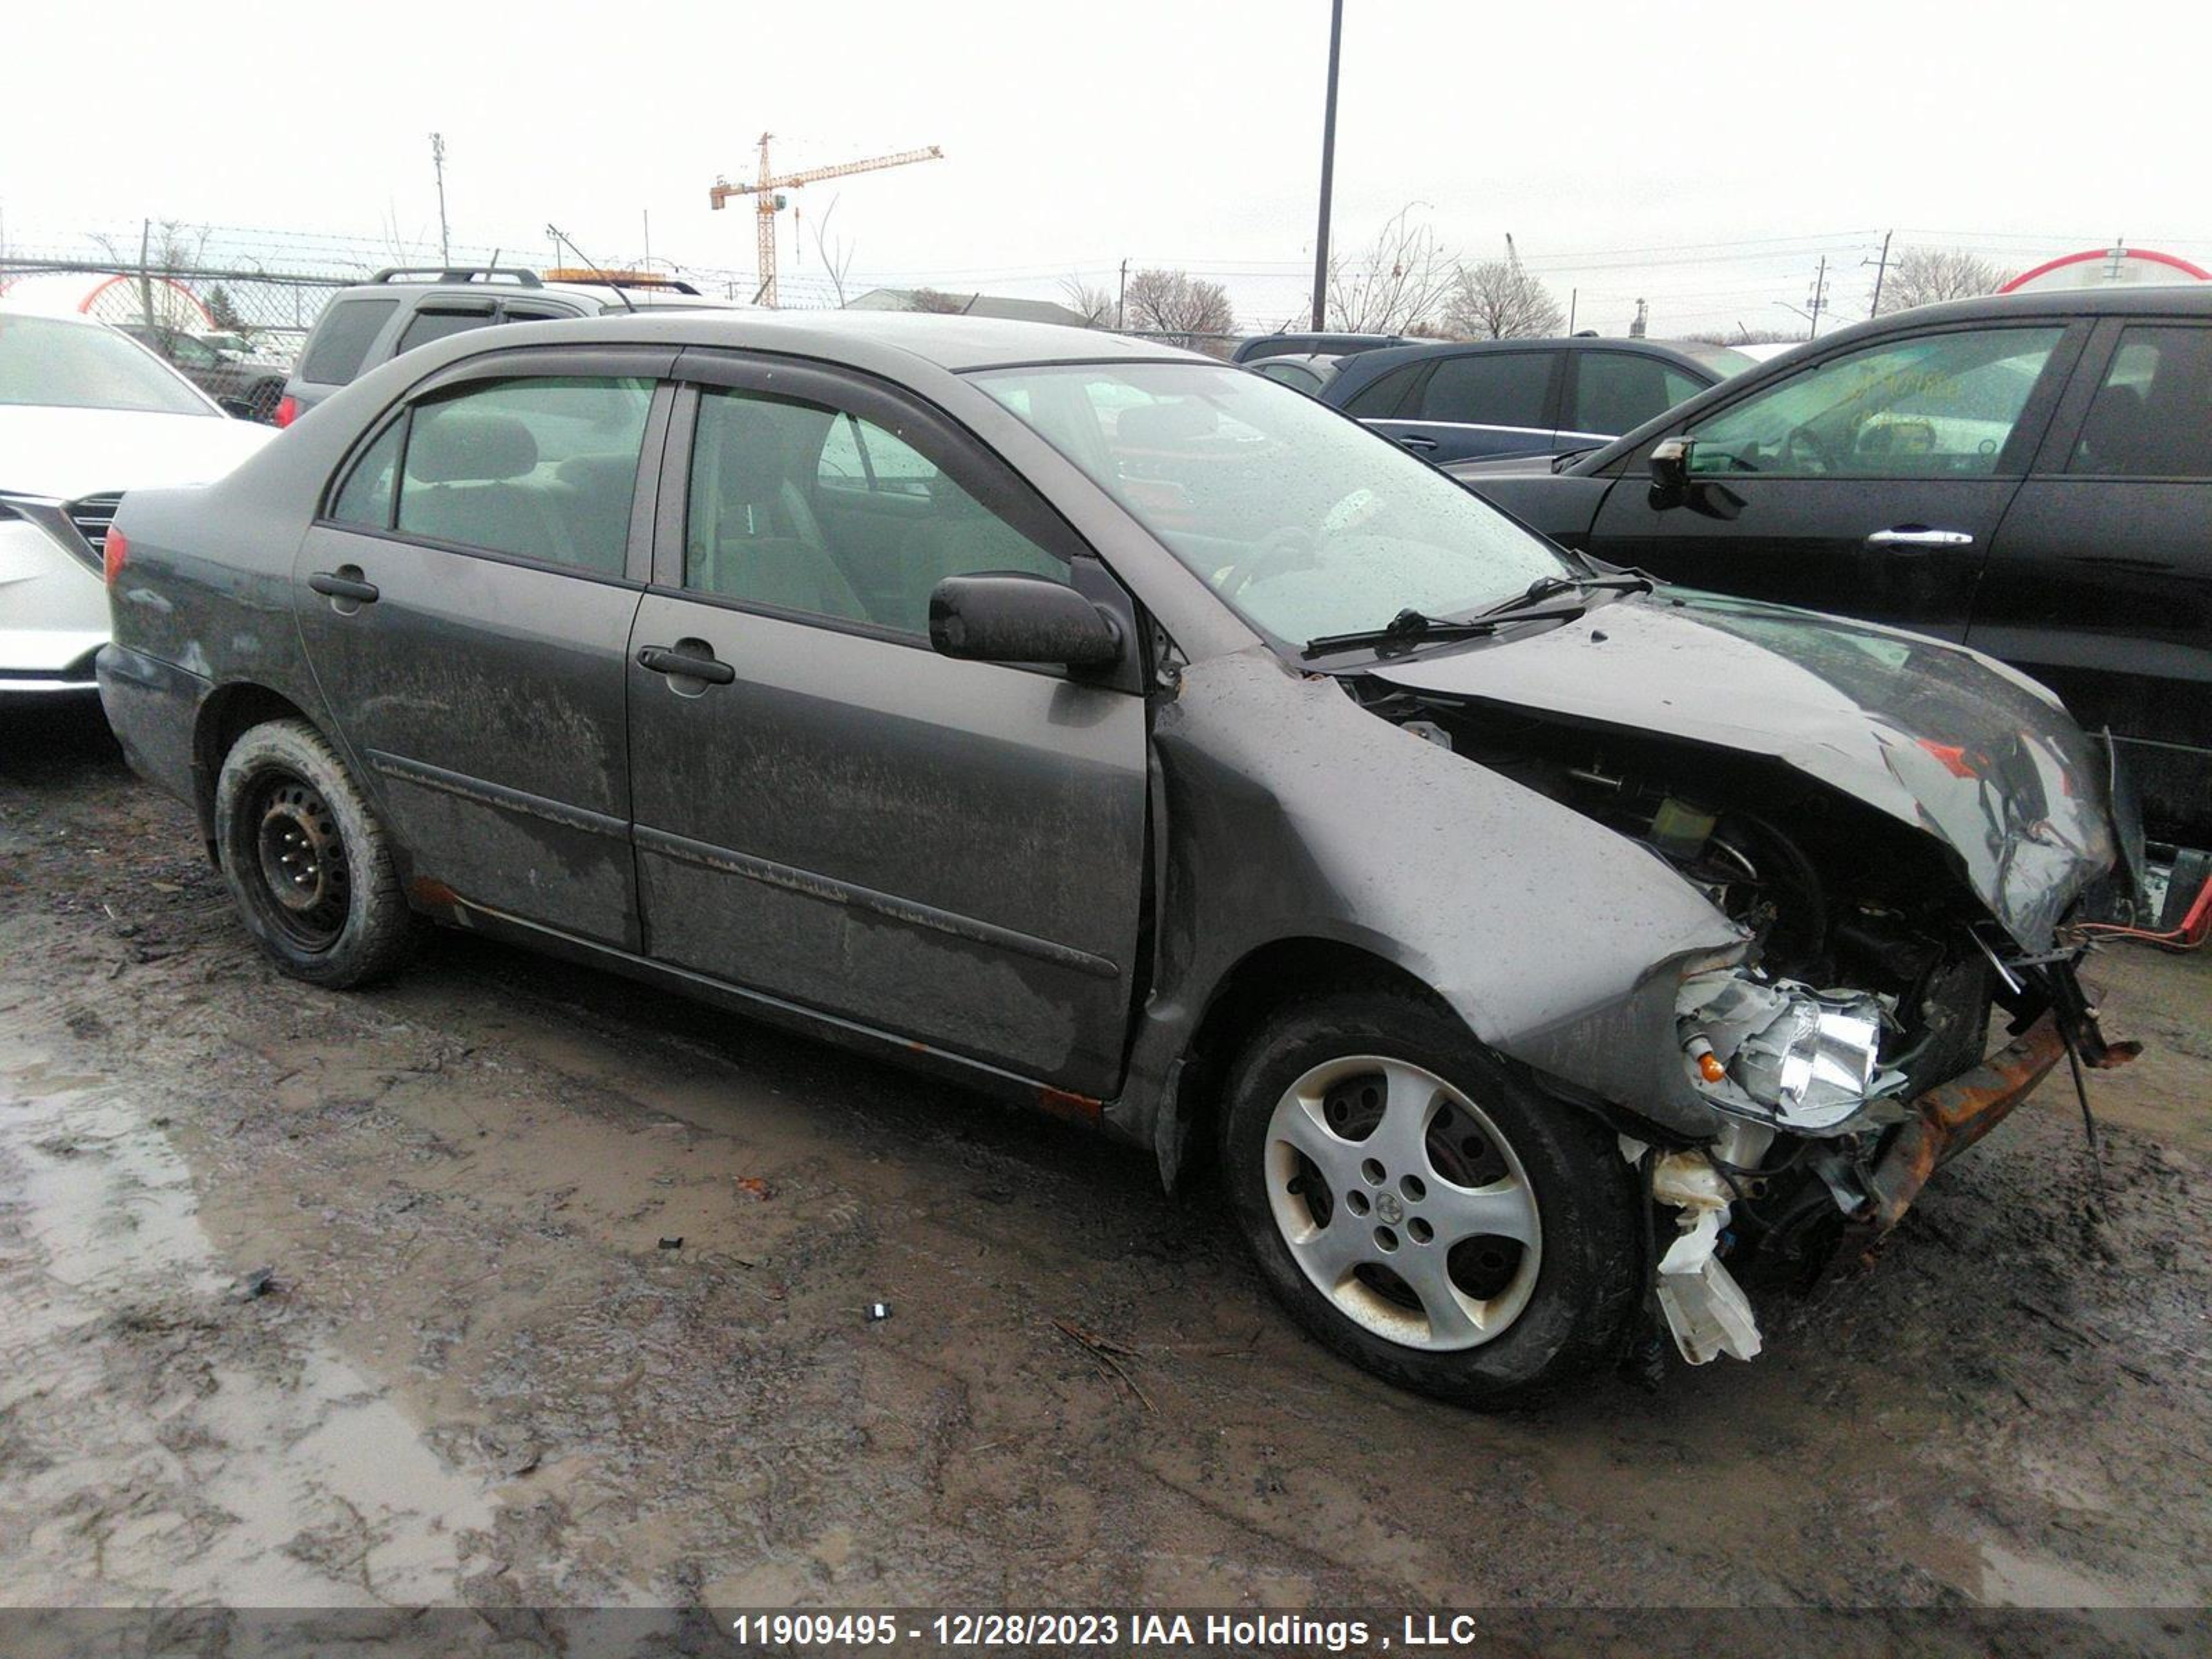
(168, 1439)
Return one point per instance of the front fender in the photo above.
(1292, 813)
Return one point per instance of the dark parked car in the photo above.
(1303, 345)
(403, 307)
(1453, 402)
(249, 388)
(2030, 474)
(1130, 736)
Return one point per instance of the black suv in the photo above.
(249, 388)
(2030, 474)
(403, 307)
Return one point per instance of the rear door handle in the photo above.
(334, 585)
(1919, 536)
(660, 660)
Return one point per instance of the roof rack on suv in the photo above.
(457, 274)
(593, 275)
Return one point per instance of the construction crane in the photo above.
(768, 190)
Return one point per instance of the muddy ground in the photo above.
(315, 1299)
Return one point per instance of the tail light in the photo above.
(288, 409)
(113, 554)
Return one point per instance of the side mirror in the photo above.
(1670, 472)
(1015, 618)
(239, 410)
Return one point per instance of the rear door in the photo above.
(466, 601)
(2100, 581)
(1869, 484)
(827, 811)
(1495, 401)
(1610, 392)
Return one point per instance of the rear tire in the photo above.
(1483, 1245)
(307, 862)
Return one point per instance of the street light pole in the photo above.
(1328, 168)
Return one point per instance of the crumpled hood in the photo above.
(68, 453)
(1936, 736)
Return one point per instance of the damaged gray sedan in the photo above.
(1532, 946)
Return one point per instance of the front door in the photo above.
(828, 811)
(1869, 484)
(1497, 400)
(466, 602)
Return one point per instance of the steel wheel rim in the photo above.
(301, 856)
(1431, 1195)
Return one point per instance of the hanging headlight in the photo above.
(1782, 1052)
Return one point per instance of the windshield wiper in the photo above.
(1410, 627)
(1545, 587)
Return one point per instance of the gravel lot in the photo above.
(316, 1299)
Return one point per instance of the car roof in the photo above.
(860, 338)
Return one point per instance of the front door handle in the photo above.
(660, 660)
(1919, 536)
(1414, 441)
(343, 584)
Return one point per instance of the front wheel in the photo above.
(1422, 1210)
(307, 861)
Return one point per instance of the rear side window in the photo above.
(428, 325)
(1503, 388)
(1616, 391)
(342, 338)
(370, 489)
(1380, 401)
(2152, 418)
(542, 469)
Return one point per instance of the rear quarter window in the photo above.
(342, 338)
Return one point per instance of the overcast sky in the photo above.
(1703, 155)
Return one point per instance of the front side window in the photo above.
(1490, 388)
(74, 365)
(2152, 417)
(1945, 405)
(1302, 521)
(1380, 400)
(541, 468)
(800, 507)
(1617, 391)
(342, 338)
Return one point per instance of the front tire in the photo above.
(1423, 1211)
(307, 862)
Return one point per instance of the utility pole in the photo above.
(1881, 268)
(1121, 299)
(1328, 168)
(438, 161)
(1819, 298)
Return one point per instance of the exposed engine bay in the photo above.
(1869, 979)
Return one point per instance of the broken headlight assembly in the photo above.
(1785, 1055)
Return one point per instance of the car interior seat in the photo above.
(463, 469)
(752, 534)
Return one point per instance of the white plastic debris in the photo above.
(1707, 1312)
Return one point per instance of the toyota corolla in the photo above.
(1531, 944)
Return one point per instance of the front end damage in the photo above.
(1900, 831)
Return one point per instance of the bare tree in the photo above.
(1094, 305)
(1394, 285)
(936, 300)
(1496, 300)
(1177, 302)
(836, 256)
(1922, 275)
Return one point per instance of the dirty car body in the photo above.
(1125, 734)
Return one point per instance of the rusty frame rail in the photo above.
(1953, 1116)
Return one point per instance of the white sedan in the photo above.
(85, 414)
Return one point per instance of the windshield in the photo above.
(1304, 522)
(76, 366)
(1723, 361)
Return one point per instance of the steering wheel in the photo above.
(1293, 546)
(1802, 449)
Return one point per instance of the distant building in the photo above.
(969, 304)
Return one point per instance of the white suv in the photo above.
(404, 307)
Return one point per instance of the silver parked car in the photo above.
(1120, 733)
